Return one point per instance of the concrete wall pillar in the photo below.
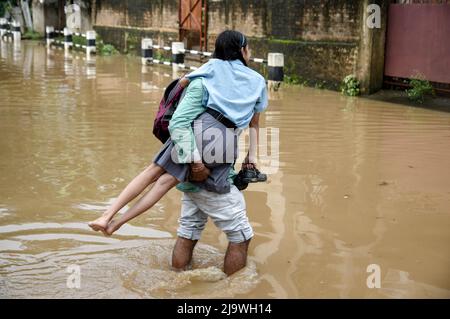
(38, 16)
(370, 63)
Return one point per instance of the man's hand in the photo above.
(248, 164)
(199, 172)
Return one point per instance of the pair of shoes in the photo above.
(238, 181)
(253, 175)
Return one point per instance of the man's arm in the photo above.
(260, 106)
(253, 144)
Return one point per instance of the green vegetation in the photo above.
(76, 39)
(101, 48)
(159, 56)
(284, 41)
(350, 86)
(131, 42)
(307, 42)
(5, 6)
(104, 49)
(298, 80)
(295, 80)
(291, 79)
(32, 35)
(420, 88)
(320, 85)
(107, 49)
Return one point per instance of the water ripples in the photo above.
(354, 176)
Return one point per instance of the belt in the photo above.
(221, 118)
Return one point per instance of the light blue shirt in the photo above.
(233, 89)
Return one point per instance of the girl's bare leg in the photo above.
(134, 188)
(164, 183)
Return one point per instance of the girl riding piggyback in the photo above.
(223, 96)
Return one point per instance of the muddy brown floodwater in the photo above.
(359, 182)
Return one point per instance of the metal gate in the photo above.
(193, 23)
(418, 42)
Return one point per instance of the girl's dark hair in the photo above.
(228, 46)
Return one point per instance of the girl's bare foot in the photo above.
(100, 224)
(112, 227)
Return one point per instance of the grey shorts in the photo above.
(226, 210)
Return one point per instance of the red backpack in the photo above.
(167, 107)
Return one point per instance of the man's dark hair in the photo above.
(228, 46)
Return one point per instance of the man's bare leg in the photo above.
(182, 253)
(133, 189)
(235, 257)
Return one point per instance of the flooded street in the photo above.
(359, 182)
